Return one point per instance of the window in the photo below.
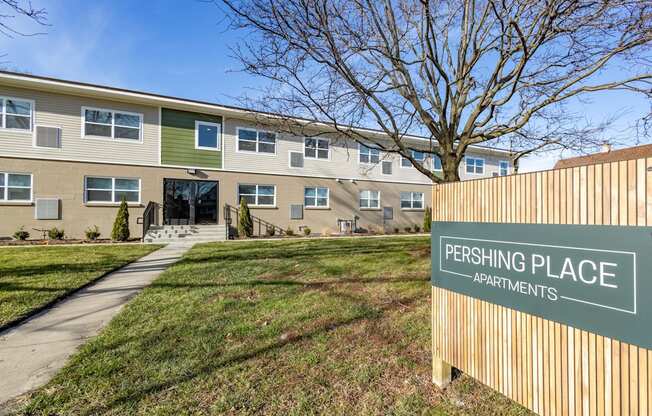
(368, 154)
(112, 124)
(111, 190)
(504, 168)
(207, 135)
(16, 113)
(370, 199)
(411, 200)
(258, 195)
(15, 187)
(316, 148)
(436, 163)
(315, 197)
(474, 165)
(418, 156)
(256, 141)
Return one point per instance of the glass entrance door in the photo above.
(190, 202)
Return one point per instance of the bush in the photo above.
(56, 234)
(396, 230)
(408, 229)
(289, 232)
(427, 220)
(92, 233)
(416, 228)
(326, 232)
(120, 230)
(245, 224)
(21, 234)
(270, 231)
(306, 231)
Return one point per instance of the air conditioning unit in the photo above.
(47, 209)
(46, 136)
(387, 167)
(296, 159)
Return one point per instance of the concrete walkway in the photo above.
(34, 351)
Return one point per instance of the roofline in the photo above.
(136, 94)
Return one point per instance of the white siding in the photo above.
(64, 111)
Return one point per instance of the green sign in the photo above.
(592, 277)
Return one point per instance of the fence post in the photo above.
(442, 372)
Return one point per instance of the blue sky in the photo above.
(181, 49)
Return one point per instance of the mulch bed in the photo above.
(64, 241)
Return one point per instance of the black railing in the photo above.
(150, 217)
(261, 227)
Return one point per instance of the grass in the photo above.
(31, 277)
(285, 328)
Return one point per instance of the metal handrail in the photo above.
(149, 217)
(259, 224)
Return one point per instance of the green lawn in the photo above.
(30, 277)
(335, 326)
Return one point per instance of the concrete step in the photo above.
(194, 233)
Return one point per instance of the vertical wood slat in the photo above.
(548, 367)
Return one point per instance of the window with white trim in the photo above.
(503, 168)
(111, 124)
(370, 199)
(16, 113)
(368, 154)
(15, 187)
(257, 195)
(420, 157)
(256, 141)
(411, 200)
(316, 148)
(208, 135)
(474, 165)
(111, 190)
(315, 197)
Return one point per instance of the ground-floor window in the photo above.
(257, 195)
(369, 199)
(315, 197)
(411, 200)
(15, 187)
(100, 189)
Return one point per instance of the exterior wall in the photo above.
(65, 180)
(65, 112)
(343, 163)
(178, 140)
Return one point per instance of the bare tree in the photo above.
(458, 72)
(11, 9)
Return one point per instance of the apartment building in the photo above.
(71, 151)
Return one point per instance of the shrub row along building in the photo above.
(71, 151)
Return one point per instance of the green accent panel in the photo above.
(593, 277)
(178, 140)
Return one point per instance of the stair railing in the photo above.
(150, 217)
(260, 225)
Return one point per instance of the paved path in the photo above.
(34, 351)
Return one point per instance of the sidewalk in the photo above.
(31, 353)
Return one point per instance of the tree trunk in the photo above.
(450, 168)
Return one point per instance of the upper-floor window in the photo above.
(16, 113)
(370, 199)
(258, 141)
(436, 163)
(207, 135)
(420, 157)
(411, 200)
(112, 124)
(316, 148)
(474, 165)
(103, 189)
(369, 154)
(15, 187)
(257, 195)
(503, 168)
(315, 197)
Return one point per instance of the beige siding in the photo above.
(64, 111)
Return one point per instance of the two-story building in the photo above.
(71, 151)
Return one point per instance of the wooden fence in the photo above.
(546, 366)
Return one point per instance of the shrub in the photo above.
(270, 231)
(396, 230)
(289, 231)
(416, 228)
(327, 232)
(427, 219)
(21, 234)
(408, 229)
(120, 230)
(92, 233)
(306, 231)
(56, 234)
(245, 224)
